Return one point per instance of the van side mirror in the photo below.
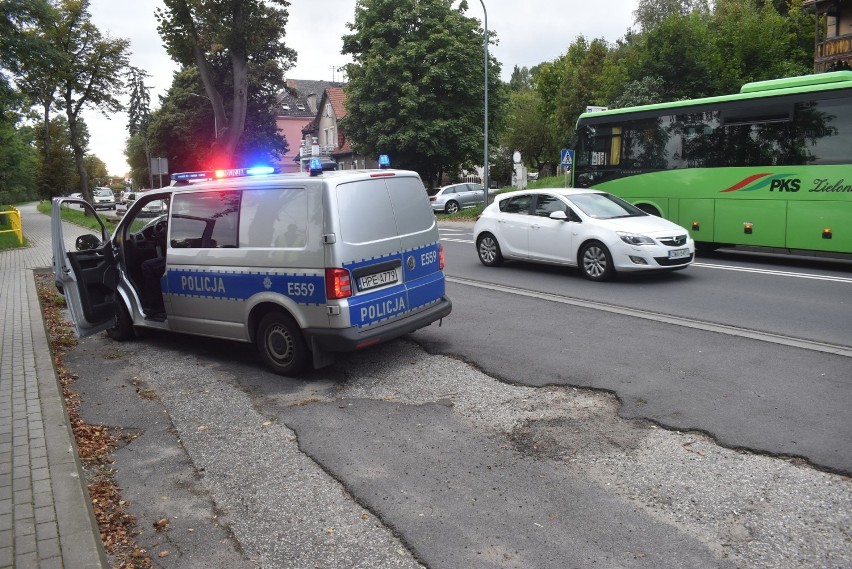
(87, 242)
(558, 215)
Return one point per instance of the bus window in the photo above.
(825, 128)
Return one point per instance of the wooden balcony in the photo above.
(833, 50)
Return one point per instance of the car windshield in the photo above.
(103, 193)
(605, 206)
(433, 191)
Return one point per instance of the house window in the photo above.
(328, 109)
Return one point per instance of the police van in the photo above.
(302, 265)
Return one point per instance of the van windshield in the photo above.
(382, 208)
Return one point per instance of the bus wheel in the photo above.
(280, 343)
(123, 328)
(596, 262)
(649, 209)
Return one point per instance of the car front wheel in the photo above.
(452, 207)
(596, 262)
(489, 250)
(280, 343)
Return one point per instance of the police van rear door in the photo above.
(389, 243)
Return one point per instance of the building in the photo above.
(833, 35)
(297, 107)
(323, 138)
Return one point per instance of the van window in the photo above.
(274, 218)
(382, 208)
(205, 219)
(411, 204)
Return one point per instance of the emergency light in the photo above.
(384, 161)
(224, 173)
(315, 166)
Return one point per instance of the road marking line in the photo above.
(776, 273)
(664, 318)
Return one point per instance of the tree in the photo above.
(59, 176)
(139, 118)
(520, 79)
(224, 40)
(528, 130)
(651, 13)
(18, 159)
(183, 131)
(580, 87)
(416, 86)
(92, 73)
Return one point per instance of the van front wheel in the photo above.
(281, 345)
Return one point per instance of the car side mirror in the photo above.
(87, 242)
(558, 215)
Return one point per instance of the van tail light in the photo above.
(338, 284)
(440, 257)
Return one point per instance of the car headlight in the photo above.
(634, 239)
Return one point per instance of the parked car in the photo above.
(103, 198)
(593, 230)
(452, 198)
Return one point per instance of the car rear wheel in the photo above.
(596, 262)
(451, 207)
(280, 343)
(489, 250)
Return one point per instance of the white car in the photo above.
(593, 230)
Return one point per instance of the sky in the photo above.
(529, 32)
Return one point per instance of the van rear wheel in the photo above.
(281, 345)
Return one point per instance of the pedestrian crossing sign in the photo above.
(567, 157)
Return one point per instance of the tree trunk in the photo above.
(78, 149)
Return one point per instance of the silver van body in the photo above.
(303, 266)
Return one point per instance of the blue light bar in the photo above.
(315, 166)
(260, 170)
(207, 175)
(384, 161)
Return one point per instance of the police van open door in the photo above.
(85, 272)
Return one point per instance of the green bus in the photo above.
(770, 166)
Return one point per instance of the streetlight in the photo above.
(215, 121)
(485, 46)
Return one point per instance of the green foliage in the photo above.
(528, 129)
(239, 52)
(18, 159)
(59, 176)
(416, 88)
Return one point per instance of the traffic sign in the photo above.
(567, 157)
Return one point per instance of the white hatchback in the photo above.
(593, 230)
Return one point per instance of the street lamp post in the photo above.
(215, 120)
(485, 157)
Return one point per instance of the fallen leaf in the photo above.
(164, 554)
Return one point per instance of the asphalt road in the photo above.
(484, 449)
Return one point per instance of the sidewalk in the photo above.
(45, 514)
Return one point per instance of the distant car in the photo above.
(452, 198)
(593, 230)
(103, 198)
(154, 209)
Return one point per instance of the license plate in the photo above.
(678, 253)
(377, 279)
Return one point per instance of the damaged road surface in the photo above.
(397, 458)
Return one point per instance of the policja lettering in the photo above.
(382, 309)
(202, 284)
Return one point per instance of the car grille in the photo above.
(666, 262)
(675, 241)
